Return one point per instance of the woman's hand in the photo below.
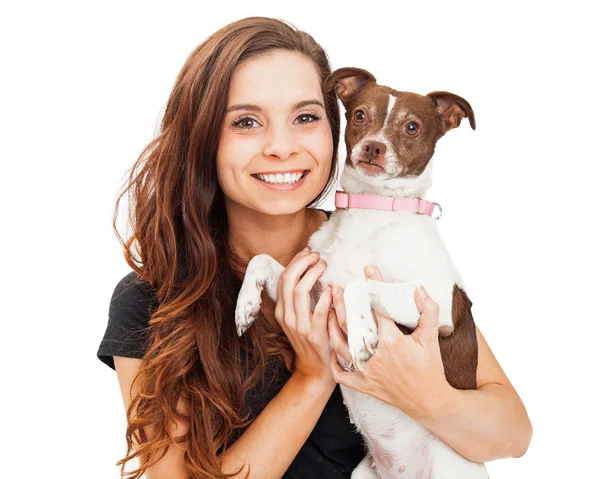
(305, 330)
(406, 371)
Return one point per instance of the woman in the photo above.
(200, 401)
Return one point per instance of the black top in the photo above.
(333, 448)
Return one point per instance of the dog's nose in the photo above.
(373, 152)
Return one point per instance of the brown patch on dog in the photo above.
(459, 350)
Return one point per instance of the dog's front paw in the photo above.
(362, 339)
(248, 305)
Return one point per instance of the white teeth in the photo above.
(279, 178)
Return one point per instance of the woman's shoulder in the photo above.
(133, 296)
(129, 312)
(132, 286)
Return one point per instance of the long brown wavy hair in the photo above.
(179, 244)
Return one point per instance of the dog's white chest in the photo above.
(404, 247)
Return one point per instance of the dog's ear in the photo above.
(451, 108)
(347, 81)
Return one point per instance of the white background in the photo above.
(83, 87)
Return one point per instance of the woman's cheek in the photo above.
(233, 156)
(323, 151)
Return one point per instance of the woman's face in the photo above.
(276, 146)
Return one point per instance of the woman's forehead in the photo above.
(275, 80)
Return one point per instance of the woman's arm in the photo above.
(273, 440)
(172, 465)
(291, 414)
(406, 371)
(486, 423)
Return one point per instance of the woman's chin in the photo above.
(282, 207)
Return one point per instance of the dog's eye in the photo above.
(411, 128)
(359, 116)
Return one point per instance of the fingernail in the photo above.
(306, 249)
(335, 290)
(322, 264)
(422, 292)
(369, 270)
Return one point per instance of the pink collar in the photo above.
(389, 203)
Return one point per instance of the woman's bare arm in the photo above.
(486, 423)
(273, 440)
(172, 465)
(291, 414)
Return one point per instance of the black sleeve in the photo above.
(130, 309)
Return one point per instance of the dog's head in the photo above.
(390, 134)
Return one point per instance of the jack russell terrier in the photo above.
(381, 219)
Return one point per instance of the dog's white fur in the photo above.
(408, 251)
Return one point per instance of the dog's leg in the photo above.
(362, 330)
(394, 300)
(397, 301)
(262, 272)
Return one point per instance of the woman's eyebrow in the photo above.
(248, 106)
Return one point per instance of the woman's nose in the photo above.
(281, 142)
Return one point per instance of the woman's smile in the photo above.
(281, 181)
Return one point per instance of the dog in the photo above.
(381, 219)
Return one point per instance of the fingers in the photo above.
(340, 308)
(430, 314)
(287, 282)
(319, 318)
(354, 379)
(386, 326)
(337, 338)
(280, 306)
(371, 272)
(301, 292)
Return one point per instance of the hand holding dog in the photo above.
(405, 371)
(305, 330)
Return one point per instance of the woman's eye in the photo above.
(411, 128)
(359, 116)
(244, 122)
(308, 118)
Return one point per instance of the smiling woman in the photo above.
(275, 136)
(247, 147)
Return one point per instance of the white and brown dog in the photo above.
(381, 219)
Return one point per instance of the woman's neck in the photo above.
(281, 237)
